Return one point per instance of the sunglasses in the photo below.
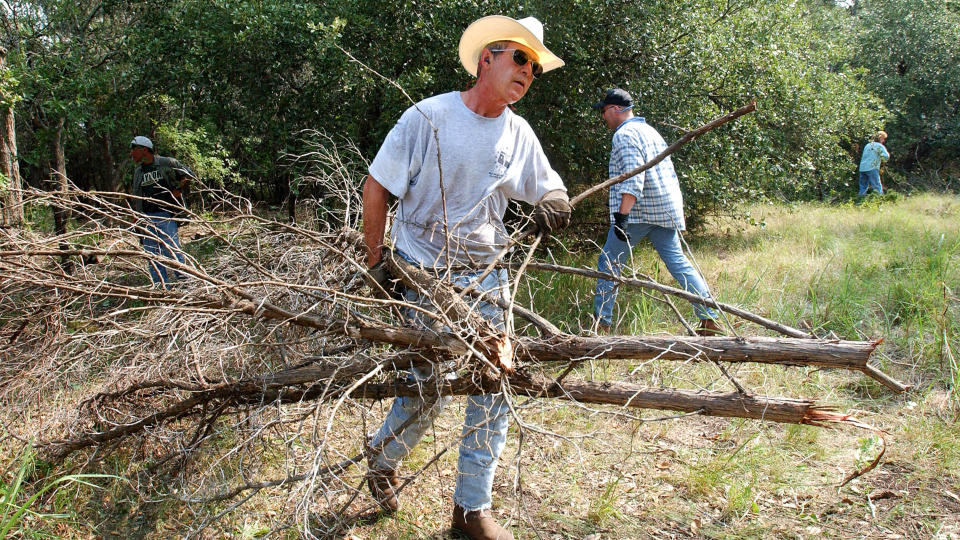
(603, 110)
(521, 58)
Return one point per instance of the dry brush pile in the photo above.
(262, 368)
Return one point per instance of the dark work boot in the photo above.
(599, 327)
(478, 525)
(709, 327)
(383, 484)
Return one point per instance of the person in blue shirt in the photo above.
(647, 205)
(874, 154)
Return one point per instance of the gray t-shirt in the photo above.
(485, 162)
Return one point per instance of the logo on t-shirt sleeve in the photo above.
(501, 165)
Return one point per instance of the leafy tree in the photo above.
(232, 84)
(911, 51)
(68, 57)
(235, 75)
(687, 62)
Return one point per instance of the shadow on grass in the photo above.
(338, 526)
(122, 513)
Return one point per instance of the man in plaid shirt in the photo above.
(648, 205)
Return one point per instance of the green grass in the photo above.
(603, 508)
(22, 502)
(886, 268)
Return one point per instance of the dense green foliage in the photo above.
(912, 51)
(229, 86)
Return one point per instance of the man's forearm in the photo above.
(626, 203)
(375, 198)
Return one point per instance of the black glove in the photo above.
(552, 213)
(620, 226)
(380, 279)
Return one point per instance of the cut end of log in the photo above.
(499, 350)
(825, 416)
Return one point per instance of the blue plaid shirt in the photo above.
(657, 190)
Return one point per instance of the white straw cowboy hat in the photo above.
(482, 32)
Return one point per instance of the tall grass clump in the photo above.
(19, 498)
(881, 270)
(886, 268)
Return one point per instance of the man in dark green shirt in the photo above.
(158, 184)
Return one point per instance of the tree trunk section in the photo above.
(11, 198)
(109, 180)
(288, 387)
(58, 182)
(837, 354)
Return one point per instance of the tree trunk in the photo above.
(728, 405)
(835, 354)
(108, 180)
(11, 198)
(58, 182)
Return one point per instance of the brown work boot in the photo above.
(709, 327)
(478, 525)
(598, 327)
(382, 484)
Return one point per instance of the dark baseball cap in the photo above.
(615, 96)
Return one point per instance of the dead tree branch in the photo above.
(680, 293)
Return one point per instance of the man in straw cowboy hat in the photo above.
(450, 215)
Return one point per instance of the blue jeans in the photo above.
(161, 238)
(484, 425)
(870, 179)
(616, 253)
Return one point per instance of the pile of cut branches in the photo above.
(263, 365)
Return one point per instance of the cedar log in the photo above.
(300, 385)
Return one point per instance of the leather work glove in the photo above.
(379, 279)
(553, 211)
(620, 226)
